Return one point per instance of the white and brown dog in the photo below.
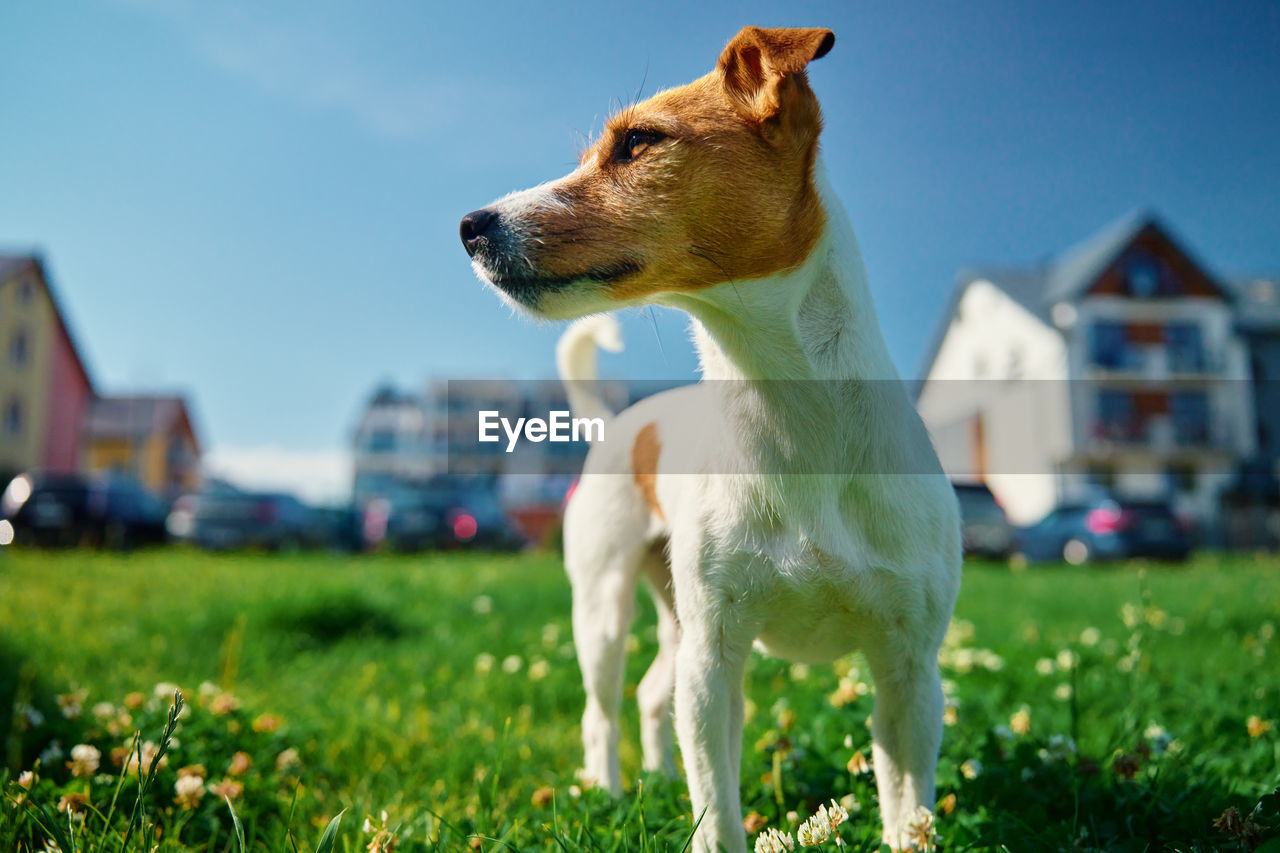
(797, 504)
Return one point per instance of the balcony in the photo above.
(1150, 352)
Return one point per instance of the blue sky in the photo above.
(258, 203)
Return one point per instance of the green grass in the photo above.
(443, 690)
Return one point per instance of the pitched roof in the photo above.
(133, 417)
(10, 266)
(1062, 278)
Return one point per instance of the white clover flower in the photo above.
(165, 690)
(836, 815)
(1066, 659)
(84, 760)
(773, 841)
(26, 779)
(539, 670)
(1062, 692)
(484, 663)
(188, 790)
(1044, 666)
(920, 827)
(989, 660)
(482, 605)
(971, 769)
(1090, 636)
(287, 759)
(813, 831)
(511, 664)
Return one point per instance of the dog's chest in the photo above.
(814, 607)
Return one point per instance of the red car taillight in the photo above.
(1108, 520)
(464, 527)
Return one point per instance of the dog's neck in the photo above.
(814, 322)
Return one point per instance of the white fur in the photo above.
(797, 551)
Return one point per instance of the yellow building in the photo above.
(147, 437)
(45, 389)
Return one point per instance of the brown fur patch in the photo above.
(726, 193)
(644, 466)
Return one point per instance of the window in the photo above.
(1117, 418)
(1143, 277)
(18, 348)
(381, 441)
(1015, 362)
(13, 418)
(1184, 347)
(1108, 345)
(1190, 414)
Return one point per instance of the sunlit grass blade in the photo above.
(235, 820)
(330, 834)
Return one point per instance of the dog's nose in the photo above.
(474, 226)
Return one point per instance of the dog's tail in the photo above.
(576, 360)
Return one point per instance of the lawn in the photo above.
(1110, 708)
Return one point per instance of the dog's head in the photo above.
(698, 185)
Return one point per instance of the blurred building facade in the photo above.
(1123, 364)
(148, 437)
(45, 388)
(51, 416)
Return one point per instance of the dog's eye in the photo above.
(634, 142)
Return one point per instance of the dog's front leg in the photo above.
(906, 730)
(714, 644)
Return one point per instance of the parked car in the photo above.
(224, 520)
(342, 528)
(446, 515)
(1106, 528)
(984, 529)
(63, 510)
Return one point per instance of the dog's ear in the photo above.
(763, 71)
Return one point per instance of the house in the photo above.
(392, 446)
(45, 388)
(1258, 323)
(149, 437)
(1117, 364)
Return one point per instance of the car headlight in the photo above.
(15, 495)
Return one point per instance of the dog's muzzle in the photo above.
(475, 228)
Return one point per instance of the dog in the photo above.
(792, 500)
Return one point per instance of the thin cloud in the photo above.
(318, 476)
(312, 68)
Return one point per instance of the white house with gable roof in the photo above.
(1115, 365)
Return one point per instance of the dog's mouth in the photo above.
(529, 288)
